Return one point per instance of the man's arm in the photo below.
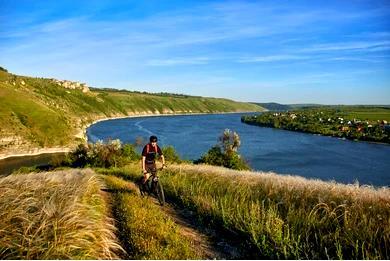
(159, 151)
(143, 164)
(163, 160)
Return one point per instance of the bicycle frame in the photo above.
(153, 178)
(153, 186)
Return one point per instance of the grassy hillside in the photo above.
(64, 214)
(38, 112)
(281, 217)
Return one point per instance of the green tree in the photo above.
(171, 155)
(225, 152)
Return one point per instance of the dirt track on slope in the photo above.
(206, 240)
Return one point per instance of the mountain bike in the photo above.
(153, 186)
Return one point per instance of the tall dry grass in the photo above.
(280, 216)
(55, 215)
(144, 229)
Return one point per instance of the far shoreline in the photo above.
(321, 134)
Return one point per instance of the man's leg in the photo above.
(146, 177)
(150, 169)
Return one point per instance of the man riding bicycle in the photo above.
(149, 155)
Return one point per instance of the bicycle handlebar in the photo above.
(163, 167)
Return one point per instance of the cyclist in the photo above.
(149, 155)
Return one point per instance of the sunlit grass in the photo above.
(284, 216)
(58, 215)
(63, 215)
(144, 229)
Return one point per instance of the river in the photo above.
(8, 165)
(265, 149)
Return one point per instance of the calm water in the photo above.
(8, 165)
(265, 149)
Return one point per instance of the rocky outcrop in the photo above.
(72, 85)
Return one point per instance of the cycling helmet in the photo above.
(153, 138)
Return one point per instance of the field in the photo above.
(370, 113)
(374, 114)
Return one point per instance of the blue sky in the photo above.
(329, 52)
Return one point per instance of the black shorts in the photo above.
(151, 167)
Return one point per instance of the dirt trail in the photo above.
(207, 241)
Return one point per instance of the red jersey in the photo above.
(151, 152)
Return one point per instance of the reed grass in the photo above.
(55, 215)
(144, 229)
(284, 217)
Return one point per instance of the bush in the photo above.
(225, 153)
(111, 154)
(129, 152)
(171, 155)
(213, 157)
(77, 158)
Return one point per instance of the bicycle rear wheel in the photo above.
(160, 193)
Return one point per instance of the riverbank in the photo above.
(36, 152)
(81, 133)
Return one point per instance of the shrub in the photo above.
(225, 153)
(77, 158)
(171, 155)
(129, 152)
(110, 154)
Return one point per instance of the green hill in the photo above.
(43, 113)
(273, 106)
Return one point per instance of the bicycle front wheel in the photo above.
(160, 193)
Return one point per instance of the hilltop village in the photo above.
(72, 85)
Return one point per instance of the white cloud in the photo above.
(272, 58)
(178, 61)
(355, 59)
(347, 46)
